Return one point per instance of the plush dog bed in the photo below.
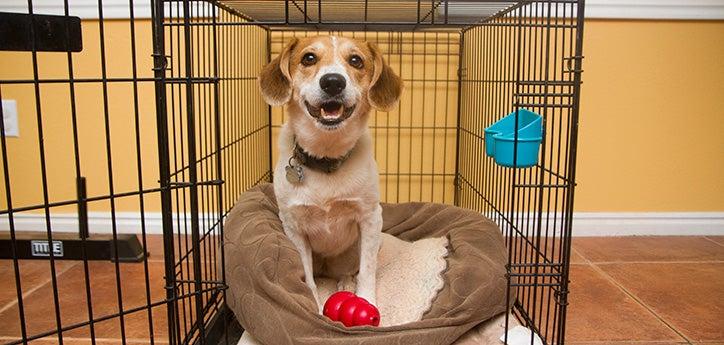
(268, 295)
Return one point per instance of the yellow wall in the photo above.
(652, 118)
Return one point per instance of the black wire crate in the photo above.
(138, 135)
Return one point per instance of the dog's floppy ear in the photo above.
(386, 86)
(274, 79)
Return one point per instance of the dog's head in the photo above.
(330, 81)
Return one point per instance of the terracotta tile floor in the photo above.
(625, 290)
(647, 290)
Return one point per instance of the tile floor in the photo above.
(647, 290)
(626, 290)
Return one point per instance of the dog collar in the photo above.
(325, 164)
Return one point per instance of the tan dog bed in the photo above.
(271, 301)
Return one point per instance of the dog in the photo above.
(326, 180)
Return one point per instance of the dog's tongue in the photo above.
(332, 109)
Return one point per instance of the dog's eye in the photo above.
(309, 59)
(356, 61)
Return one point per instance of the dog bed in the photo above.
(268, 295)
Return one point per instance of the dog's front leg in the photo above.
(305, 252)
(370, 228)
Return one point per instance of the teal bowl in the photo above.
(500, 141)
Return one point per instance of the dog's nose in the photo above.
(332, 83)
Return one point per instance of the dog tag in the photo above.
(295, 174)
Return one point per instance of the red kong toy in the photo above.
(351, 310)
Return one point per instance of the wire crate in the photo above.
(140, 134)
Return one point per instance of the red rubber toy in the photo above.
(351, 310)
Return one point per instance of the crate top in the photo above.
(370, 15)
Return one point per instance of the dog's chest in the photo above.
(331, 226)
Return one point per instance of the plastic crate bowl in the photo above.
(500, 141)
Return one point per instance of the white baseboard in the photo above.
(656, 9)
(648, 223)
(584, 223)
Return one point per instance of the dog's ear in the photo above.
(274, 79)
(386, 86)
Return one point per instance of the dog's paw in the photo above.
(346, 283)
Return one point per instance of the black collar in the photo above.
(324, 164)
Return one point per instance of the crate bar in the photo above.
(83, 232)
(139, 169)
(512, 206)
(178, 145)
(461, 90)
(44, 175)
(447, 106)
(191, 155)
(99, 198)
(219, 176)
(371, 25)
(109, 167)
(568, 227)
(121, 80)
(159, 67)
(333, 25)
(555, 224)
(541, 176)
(269, 107)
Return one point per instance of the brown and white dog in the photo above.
(326, 179)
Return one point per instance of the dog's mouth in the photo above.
(330, 113)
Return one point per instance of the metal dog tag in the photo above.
(295, 174)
